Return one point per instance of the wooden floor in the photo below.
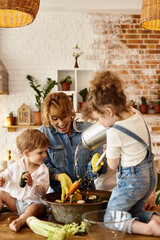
(26, 234)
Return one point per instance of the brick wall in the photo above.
(108, 41)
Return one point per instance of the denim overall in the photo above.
(134, 184)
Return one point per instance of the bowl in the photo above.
(68, 213)
(106, 224)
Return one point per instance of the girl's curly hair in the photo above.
(106, 88)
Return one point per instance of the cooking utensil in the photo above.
(94, 136)
(105, 224)
(68, 213)
(101, 158)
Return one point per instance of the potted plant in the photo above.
(132, 104)
(143, 106)
(40, 94)
(66, 83)
(83, 93)
(11, 120)
(77, 53)
(156, 107)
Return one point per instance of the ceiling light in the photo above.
(18, 13)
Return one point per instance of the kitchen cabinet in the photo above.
(80, 79)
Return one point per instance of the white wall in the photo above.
(125, 6)
(39, 49)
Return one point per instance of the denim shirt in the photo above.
(61, 155)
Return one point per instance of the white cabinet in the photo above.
(80, 80)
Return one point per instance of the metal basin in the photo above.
(68, 213)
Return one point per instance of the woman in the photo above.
(67, 159)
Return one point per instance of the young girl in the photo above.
(26, 201)
(128, 151)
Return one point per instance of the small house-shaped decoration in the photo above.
(24, 115)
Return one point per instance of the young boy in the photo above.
(26, 201)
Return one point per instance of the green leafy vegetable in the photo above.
(22, 182)
(55, 231)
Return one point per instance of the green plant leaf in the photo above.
(83, 93)
(66, 79)
(11, 114)
(40, 94)
(143, 100)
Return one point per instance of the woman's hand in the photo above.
(150, 203)
(66, 183)
(2, 181)
(28, 179)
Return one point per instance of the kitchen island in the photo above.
(26, 234)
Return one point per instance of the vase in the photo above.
(156, 109)
(144, 109)
(37, 118)
(11, 121)
(82, 105)
(76, 63)
(66, 86)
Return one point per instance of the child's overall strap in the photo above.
(131, 134)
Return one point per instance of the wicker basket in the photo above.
(17, 13)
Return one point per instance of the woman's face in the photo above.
(61, 123)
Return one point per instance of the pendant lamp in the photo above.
(150, 14)
(18, 13)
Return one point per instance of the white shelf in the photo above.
(80, 79)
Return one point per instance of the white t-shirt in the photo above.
(28, 194)
(120, 145)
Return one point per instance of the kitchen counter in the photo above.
(26, 234)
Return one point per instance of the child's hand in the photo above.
(28, 179)
(2, 181)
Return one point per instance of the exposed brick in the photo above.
(135, 16)
(107, 43)
(154, 36)
(135, 41)
(142, 46)
(151, 41)
(144, 36)
(137, 26)
(132, 31)
(131, 36)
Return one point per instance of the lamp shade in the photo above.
(150, 14)
(18, 13)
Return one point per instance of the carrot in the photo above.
(73, 188)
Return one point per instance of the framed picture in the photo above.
(24, 115)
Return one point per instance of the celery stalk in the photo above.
(41, 227)
(58, 234)
(55, 231)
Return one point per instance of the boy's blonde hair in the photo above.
(57, 104)
(31, 139)
(106, 88)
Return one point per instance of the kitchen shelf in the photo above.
(80, 79)
(13, 128)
